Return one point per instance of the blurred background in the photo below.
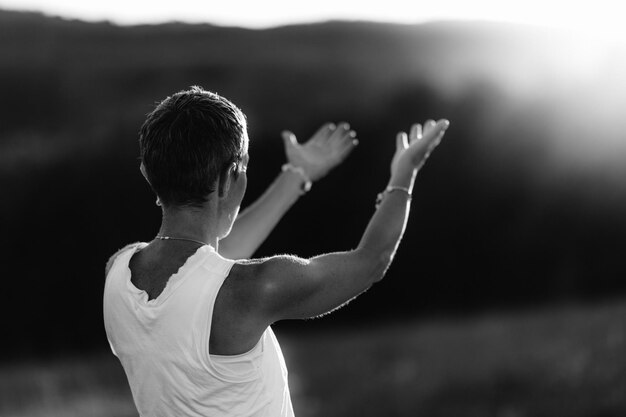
(508, 294)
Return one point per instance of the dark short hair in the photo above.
(188, 142)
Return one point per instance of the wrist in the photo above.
(390, 189)
(298, 175)
(403, 178)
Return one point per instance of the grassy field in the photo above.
(560, 362)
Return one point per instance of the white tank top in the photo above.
(163, 345)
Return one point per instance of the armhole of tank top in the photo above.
(114, 260)
(207, 358)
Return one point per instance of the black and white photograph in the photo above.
(312, 209)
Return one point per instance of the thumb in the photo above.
(289, 138)
(401, 141)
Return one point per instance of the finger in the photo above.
(435, 133)
(431, 147)
(436, 141)
(289, 138)
(349, 141)
(345, 150)
(401, 141)
(428, 126)
(341, 130)
(416, 132)
(324, 132)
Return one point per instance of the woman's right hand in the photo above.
(413, 150)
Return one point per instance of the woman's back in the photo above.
(153, 265)
(163, 342)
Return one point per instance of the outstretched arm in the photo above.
(326, 149)
(287, 287)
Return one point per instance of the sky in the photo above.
(584, 64)
(599, 16)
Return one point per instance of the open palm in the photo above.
(326, 149)
(412, 151)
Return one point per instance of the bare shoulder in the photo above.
(275, 261)
(264, 270)
(253, 281)
(288, 287)
(255, 271)
(111, 260)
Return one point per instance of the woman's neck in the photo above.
(196, 224)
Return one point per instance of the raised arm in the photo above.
(288, 287)
(327, 148)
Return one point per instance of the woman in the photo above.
(189, 314)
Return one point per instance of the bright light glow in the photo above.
(579, 84)
(600, 16)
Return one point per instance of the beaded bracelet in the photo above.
(306, 185)
(390, 189)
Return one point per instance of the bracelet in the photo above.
(390, 189)
(306, 185)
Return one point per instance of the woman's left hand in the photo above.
(326, 149)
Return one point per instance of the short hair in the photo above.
(189, 141)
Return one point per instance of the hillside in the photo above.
(522, 205)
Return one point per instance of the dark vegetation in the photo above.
(498, 219)
(565, 362)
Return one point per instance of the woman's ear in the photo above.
(226, 179)
(142, 168)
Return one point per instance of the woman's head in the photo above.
(188, 145)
